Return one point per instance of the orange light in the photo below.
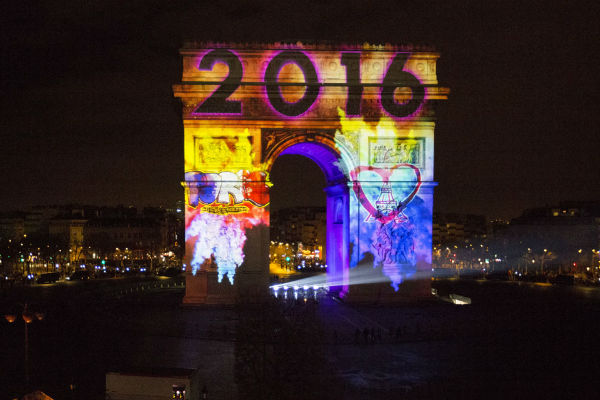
(10, 318)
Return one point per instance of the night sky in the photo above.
(88, 114)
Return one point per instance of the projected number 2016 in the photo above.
(395, 77)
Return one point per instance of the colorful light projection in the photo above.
(221, 206)
(386, 165)
(391, 223)
(294, 82)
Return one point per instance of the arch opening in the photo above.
(334, 252)
(324, 157)
(297, 219)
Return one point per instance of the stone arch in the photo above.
(237, 121)
(323, 152)
(320, 148)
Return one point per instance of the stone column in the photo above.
(227, 239)
(337, 237)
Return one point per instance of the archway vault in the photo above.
(318, 145)
(363, 114)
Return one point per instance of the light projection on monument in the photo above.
(221, 206)
(390, 224)
(385, 161)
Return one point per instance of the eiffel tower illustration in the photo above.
(385, 203)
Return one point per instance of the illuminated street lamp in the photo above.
(546, 255)
(595, 265)
(28, 318)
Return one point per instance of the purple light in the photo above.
(328, 161)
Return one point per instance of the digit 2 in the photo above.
(217, 102)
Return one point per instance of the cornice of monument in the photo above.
(190, 46)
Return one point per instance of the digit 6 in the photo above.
(396, 77)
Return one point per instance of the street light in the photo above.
(546, 256)
(28, 318)
(595, 266)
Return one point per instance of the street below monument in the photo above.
(514, 340)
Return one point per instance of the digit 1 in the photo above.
(396, 77)
(352, 63)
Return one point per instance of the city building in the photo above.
(450, 228)
(566, 237)
(69, 232)
(306, 225)
(65, 238)
(12, 226)
(154, 383)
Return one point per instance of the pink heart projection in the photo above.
(385, 174)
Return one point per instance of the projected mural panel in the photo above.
(391, 151)
(392, 225)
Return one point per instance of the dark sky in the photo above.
(88, 113)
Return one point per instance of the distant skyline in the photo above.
(88, 114)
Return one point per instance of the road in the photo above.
(518, 340)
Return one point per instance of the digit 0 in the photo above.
(273, 87)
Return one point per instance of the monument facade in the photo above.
(362, 113)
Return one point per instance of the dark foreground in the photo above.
(513, 341)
